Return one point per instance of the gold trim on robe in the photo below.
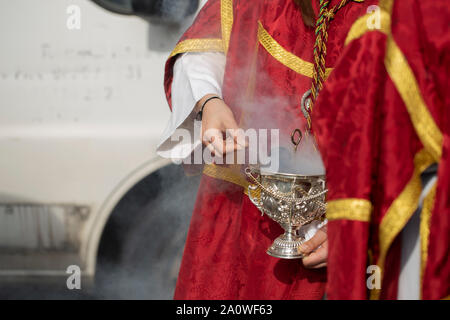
(210, 44)
(285, 57)
(425, 220)
(226, 174)
(401, 210)
(428, 132)
(386, 5)
(404, 80)
(361, 26)
(198, 45)
(349, 209)
(232, 175)
(226, 12)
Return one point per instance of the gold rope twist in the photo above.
(320, 47)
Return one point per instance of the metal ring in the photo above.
(303, 107)
(300, 136)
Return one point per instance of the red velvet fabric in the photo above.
(348, 282)
(368, 145)
(225, 253)
(431, 64)
(224, 256)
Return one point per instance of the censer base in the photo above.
(286, 247)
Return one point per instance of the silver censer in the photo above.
(292, 201)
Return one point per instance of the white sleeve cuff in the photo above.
(195, 75)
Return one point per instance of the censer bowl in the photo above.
(292, 200)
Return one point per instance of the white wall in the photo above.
(81, 111)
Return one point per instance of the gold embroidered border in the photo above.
(361, 26)
(401, 210)
(230, 175)
(404, 80)
(198, 45)
(285, 57)
(226, 174)
(425, 219)
(226, 13)
(349, 209)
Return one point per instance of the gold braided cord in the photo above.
(198, 45)
(406, 84)
(349, 209)
(211, 44)
(401, 210)
(320, 49)
(425, 220)
(320, 45)
(285, 57)
(226, 13)
(361, 26)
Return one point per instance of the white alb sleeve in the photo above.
(194, 76)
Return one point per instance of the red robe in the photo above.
(380, 121)
(269, 53)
